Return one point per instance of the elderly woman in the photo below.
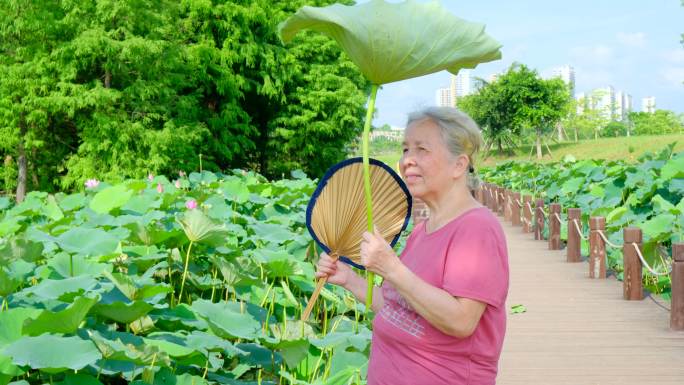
(441, 315)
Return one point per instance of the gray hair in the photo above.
(460, 133)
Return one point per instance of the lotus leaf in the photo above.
(52, 353)
(110, 198)
(65, 321)
(396, 41)
(124, 313)
(199, 228)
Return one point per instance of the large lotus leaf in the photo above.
(74, 265)
(124, 313)
(260, 356)
(227, 321)
(659, 227)
(72, 202)
(8, 283)
(79, 379)
(200, 228)
(343, 359)
(53, 353)
(674, 168)
(127, 348)
(22, 248)
(93, 242)
(51, 209)
(171, 348)
(110, 198)
(202, 341)
(235, 190)
(65, 321)
(12, 322)
(391, 42)
(54, 289)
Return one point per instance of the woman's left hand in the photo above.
(377, 255)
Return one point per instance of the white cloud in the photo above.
(598, 54)
(674, 56)
(673, 75)
(634, 39)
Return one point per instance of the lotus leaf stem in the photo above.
(185, 272)
(367, 186)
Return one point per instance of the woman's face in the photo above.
(427, 166)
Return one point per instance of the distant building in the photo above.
(603, 100)
(443, 98)
(393, 135)
(462, 84)
(623, 105)
(582, 102)
(567, 74)
(648, 104)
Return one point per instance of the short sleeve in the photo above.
(476, 264)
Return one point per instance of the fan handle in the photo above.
(314, 296)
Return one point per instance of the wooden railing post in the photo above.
(597, 248)
(539, 220)
(527, 214)
(515, 209)
(502, 201)
(631, 284)
(497, 200)
(554, 227)
(677, 309)
(479, 195)
(574, 248)
(507, 205)
(488, 197)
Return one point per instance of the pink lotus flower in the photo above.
(177, 184)
(150, 177)
(92, 183)
(160, 188)
(181, 173)
(191, 204)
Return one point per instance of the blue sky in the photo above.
(632, 45)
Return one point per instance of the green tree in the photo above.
(657, 123)
(493, 114)
(119, 88)
(518, 100)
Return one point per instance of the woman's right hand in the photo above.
(338, 273)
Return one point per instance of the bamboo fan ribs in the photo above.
(336, 214)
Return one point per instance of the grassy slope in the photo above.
(603, 148)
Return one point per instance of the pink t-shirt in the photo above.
(467, 258)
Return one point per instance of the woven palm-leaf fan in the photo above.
(336, 214)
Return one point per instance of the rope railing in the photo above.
(558, 218)
(633, 258)
(638, 250)
(605, 239)
(579, 230)
(648, 267)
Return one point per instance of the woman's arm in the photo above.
(454, 316)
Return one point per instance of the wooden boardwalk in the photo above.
(579, 331)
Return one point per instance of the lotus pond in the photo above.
(196, 281)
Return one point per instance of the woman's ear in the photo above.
(461, 165)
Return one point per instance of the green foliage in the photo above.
(517, 101)
(649, 195)
(118, 89)
(92, 297)
(615, 129)
(657, 123)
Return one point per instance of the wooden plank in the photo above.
(579, 330)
